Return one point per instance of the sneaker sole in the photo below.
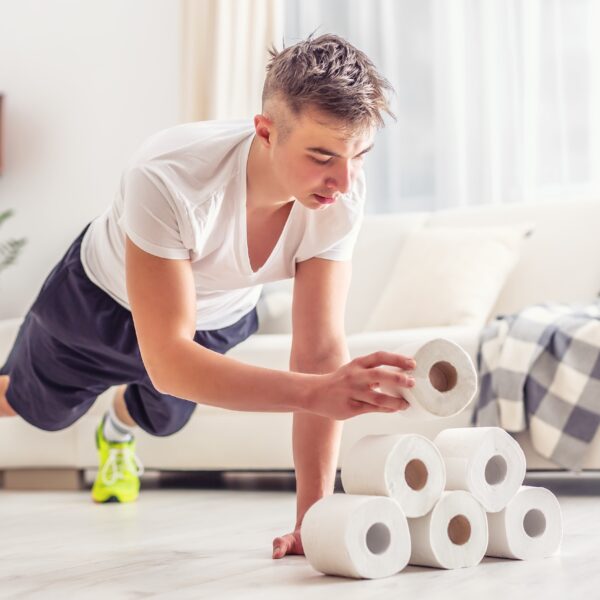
(110, 499)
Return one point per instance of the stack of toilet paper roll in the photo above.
(443, 504)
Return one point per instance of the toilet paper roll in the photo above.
(529, 527)
(445, 380)
(356, 536)
(485, 461)
(406, 467)
(453, 535)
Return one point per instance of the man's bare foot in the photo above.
(5, 408)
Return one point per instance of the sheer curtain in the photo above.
(497, 100)
(225, 51)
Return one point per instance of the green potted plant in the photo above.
(9, 249)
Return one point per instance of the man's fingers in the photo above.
(385, 358)
(280, 547)
(372, 401)
(283, 545)
(392, 377)
(287, 544)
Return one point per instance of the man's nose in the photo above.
(341, 179)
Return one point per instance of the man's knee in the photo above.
(166, 427)
(158, 414)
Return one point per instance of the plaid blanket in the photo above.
(540, 369)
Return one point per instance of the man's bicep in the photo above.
(162, 298)
(319, 305)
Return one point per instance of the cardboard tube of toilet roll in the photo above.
(486, 461)
(529, 527)
(406, 467)
(445, 380)
(453, 535)
(356, 536)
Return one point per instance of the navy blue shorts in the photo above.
(76, 341)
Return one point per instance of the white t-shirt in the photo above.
(184, 196)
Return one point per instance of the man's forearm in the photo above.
(316, 441)
(192, 372)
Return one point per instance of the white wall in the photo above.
(85, 81)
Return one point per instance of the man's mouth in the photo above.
(324, 199)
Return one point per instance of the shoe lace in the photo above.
(118, 462)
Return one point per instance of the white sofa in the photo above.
(559, 262)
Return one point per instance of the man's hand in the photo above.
(351, 389)
(290, 543)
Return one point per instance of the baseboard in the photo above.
(43, 479)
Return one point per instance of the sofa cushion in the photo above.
(448, 276)
(561, 260)
(380, 240)
(274, 311)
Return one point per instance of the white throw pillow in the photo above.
(448, 276)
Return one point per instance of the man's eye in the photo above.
(320, 162)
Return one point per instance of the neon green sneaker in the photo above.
(118, 478)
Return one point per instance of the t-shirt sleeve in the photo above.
(344, 247)
(151, 216)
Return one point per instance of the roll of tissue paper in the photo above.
(406, 467)
(453, 535)
(529, 527)
(356, 536)
(445, 380)
(485, 461)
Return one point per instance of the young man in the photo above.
(154, 291)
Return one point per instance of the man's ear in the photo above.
(264, 129)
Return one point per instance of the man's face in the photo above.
(316, 160)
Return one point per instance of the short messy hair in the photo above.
(329, 74)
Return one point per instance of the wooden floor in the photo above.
(199, 539)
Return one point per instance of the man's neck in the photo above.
(262, 192)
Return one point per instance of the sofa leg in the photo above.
(44, 479)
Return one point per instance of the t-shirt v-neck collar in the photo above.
(243, 220)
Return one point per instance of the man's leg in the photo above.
(118, 424)
(5, 408)
(118, 404)
(119, 468)
(121, 408)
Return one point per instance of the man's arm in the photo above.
(318, 346)
(163, 304)
(162, 296)
(316, 442)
